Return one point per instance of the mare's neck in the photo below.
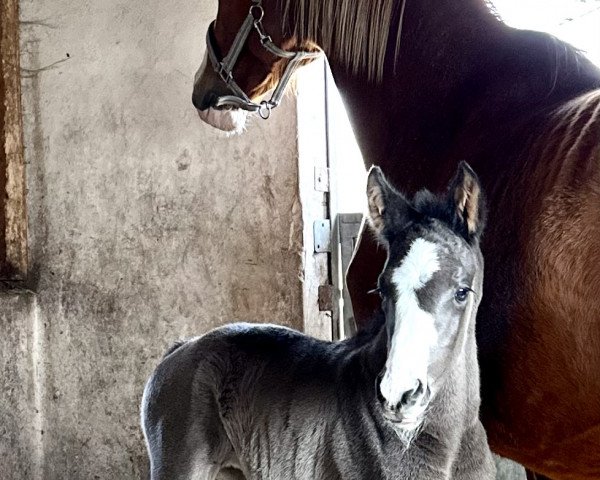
(460, 76)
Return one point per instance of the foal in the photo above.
(400, 401)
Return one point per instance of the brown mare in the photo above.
(524, 110)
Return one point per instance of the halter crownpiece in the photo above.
(224, 67)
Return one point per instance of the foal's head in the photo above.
(430, 287)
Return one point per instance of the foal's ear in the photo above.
(466, 203)
(387, 208)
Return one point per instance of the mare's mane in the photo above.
(356, 32)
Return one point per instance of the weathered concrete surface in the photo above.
(18, 417)
(145, 226)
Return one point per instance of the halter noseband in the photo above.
(224, 68)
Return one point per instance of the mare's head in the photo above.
(254, 45)
(430, 288)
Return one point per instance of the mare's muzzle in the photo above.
(235, 97)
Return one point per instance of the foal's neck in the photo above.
(453, 415)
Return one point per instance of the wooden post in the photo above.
(13, 212)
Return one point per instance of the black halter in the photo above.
(224, 67)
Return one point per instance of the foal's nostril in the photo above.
(411, 397)
(378, 389)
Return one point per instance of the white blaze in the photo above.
(414, 331)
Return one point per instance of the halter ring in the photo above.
(265, 109)
(261, 11)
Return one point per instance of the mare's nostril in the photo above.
(204, 102)
(195, 102)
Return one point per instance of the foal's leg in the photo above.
(183, 430)
(183, 472)
(188, 450)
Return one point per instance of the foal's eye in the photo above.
(376, 291)
(461, 294)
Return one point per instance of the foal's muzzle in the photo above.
(411, 406)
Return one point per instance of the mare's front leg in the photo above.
(361, 278)
(474, 460)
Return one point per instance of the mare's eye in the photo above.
(461, 294)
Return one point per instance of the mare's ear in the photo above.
(388, 209)
(466, 203)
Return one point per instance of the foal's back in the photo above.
(265, 399)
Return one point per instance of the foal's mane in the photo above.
(356, 32)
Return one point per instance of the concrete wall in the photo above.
(19, 449)
(144, 226)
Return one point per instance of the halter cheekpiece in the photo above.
(224, 68)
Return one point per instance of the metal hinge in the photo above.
(328, 298)
(322, 235)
